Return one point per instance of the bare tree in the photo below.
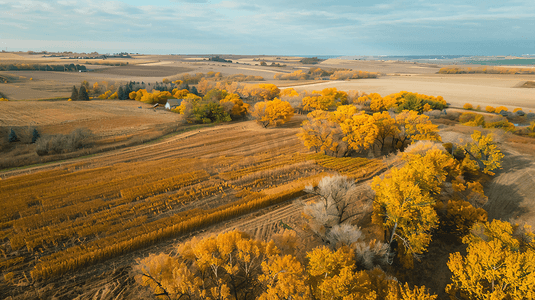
(330, 218)
(334, 194)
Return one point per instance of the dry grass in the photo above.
(116, 123)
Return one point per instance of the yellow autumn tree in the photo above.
(485, 152)
(499, 264)
(340, 97)
(405, 199)
(266, 91)
(317, 103)
(322, 131)
(275, 112)
(289, 92)
(378, 103)
(499, 109)
(387, 127)
(324, 99)
(360, 131)
(333, 275)
(413, 126)
(180, 94)
(284, 278)
(237, 107)
(225, 266)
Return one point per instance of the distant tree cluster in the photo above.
(344, 75)
(403, 101)
(219, 59)
(273, 64)
(310, 60)
(107, 63)
(216, 76)
(38, 67)
(485, 70)
(318, 74)
(312, 73)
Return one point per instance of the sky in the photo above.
(279, 27)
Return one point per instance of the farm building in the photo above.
(172, 103)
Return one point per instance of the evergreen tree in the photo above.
(13, 136)
(82, 95)
(74, 94)
(193, 90)
(120, 94)
(35, 136)
(128, 89)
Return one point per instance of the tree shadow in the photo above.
(505, 200)
(506, 204)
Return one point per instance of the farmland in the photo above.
(66, 218)
(74, 226)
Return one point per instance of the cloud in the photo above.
(259, 26)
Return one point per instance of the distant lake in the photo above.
(318, 56)
(503, 62)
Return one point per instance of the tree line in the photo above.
(38, 67)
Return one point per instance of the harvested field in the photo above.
(113, 124)
(73, 215)
(104, 117)
(144, 71)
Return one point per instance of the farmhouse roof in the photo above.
(173, 102)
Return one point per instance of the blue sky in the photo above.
(294, 27)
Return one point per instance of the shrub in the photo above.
(467, 117)
(531, 126)
(517, 109)
(503, 124)
(499, 109)
(468, 106)
(490, 109)
(61, 143)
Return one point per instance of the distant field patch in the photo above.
(144, 71)
(528, 84)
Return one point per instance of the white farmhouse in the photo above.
(172, 103)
